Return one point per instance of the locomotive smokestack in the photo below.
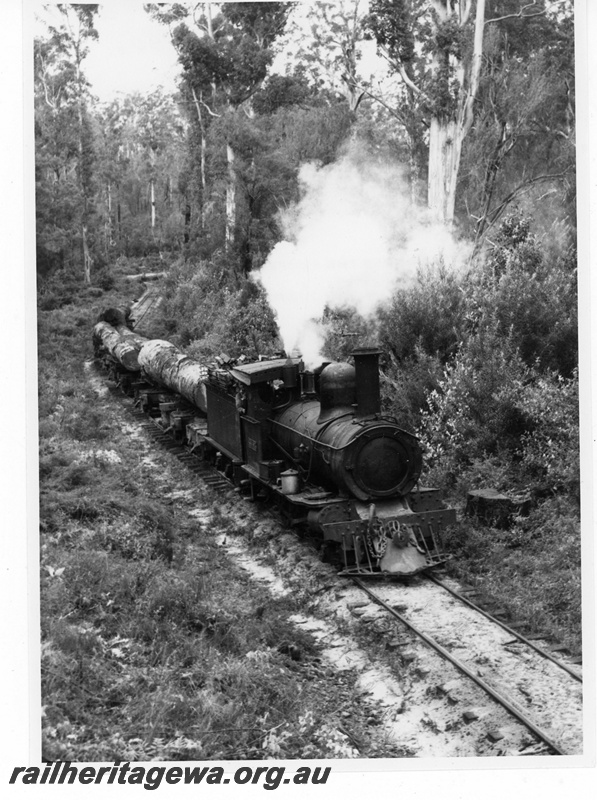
(366, 362)
(290, 374)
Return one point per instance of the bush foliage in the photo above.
(483, 366)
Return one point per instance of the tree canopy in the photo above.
(476, 99)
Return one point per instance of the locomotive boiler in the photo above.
(342, 441)
(314, 442)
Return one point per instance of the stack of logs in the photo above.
(158, 360)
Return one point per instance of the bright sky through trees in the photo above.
(133, 53)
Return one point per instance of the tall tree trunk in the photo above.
(87, 260)
(187, 223)
(152, 200)
(109, 231)
(446, 135)
(203, 157)
(445, 147)
(230, 197)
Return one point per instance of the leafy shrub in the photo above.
(59, 289)
(209, 312)
(475, 411)
(104, 279)
(52, 461)
(551, 450)
(502, 399)
(407, 385)
(427, 318)
(532, 300)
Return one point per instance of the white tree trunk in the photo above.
(445, 148)
(230, 198)
(203, 152)
(152, 194)
(447, 135)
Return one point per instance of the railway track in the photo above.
(549, 682)
(547, 701)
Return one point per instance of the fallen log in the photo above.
(167, 365)
(145, 276)
(120, 342)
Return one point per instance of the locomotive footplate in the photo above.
(309, 497)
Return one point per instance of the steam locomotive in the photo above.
(314, 442)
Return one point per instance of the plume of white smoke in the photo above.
(352, 240)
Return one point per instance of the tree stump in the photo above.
(495, 509)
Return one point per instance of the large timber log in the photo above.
(120, 342)
(167, 365)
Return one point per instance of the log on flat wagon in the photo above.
(120, 342)
(167, 365)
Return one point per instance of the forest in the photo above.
(397, 172)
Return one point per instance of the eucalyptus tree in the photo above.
(522, 143)
(332, 42)
(327, 39)
(140, 147)
(225, 52)
(62, 123)
(436, 48)
(56, 155)
(458, 61)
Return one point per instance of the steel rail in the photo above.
(507, 628)
(503, 701)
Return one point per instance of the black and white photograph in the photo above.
(308, 392)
